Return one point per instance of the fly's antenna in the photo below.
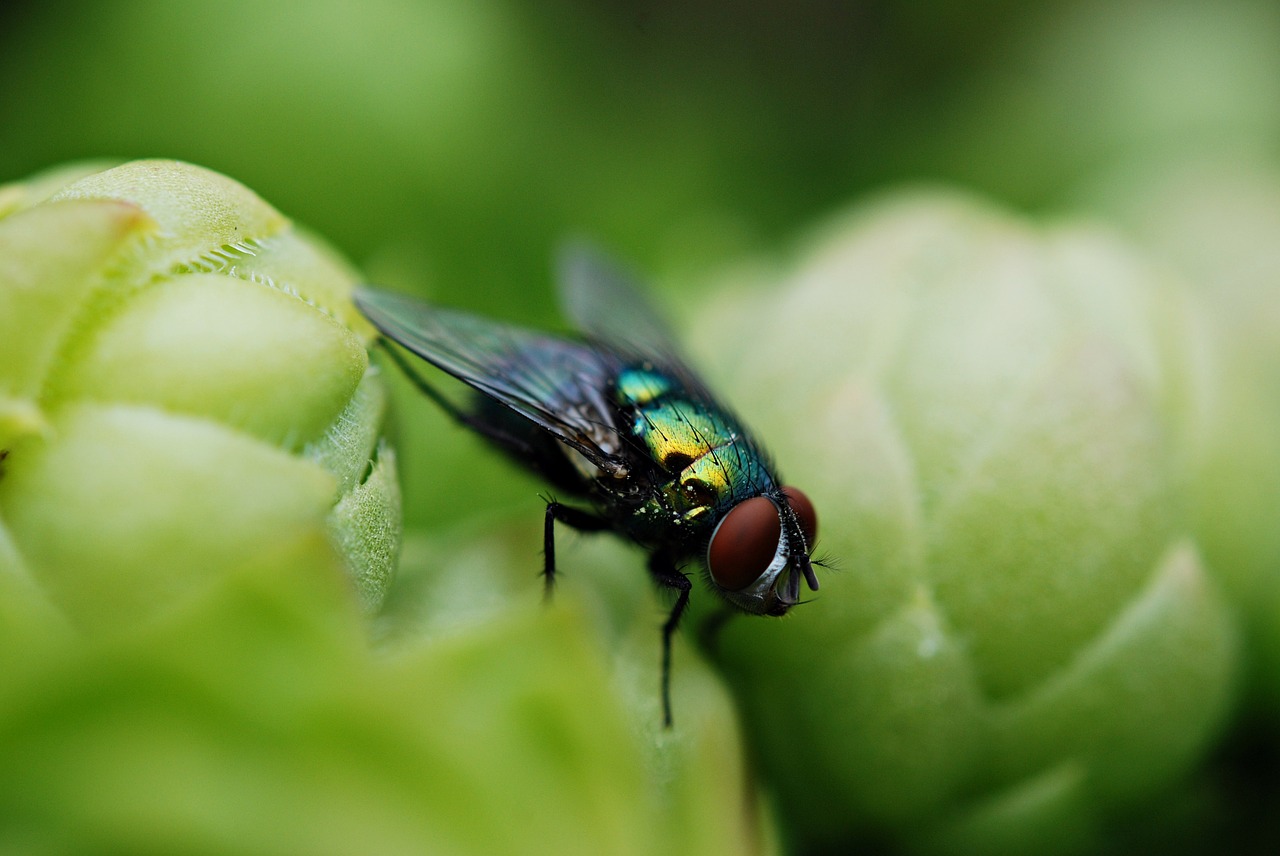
(828, 562)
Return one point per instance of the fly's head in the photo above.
(759, 551)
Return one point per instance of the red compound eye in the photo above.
(805, 513)
(744, 543)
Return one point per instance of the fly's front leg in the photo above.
(666, 574)
(583, 521)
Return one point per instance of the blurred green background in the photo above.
(456, 141)
(446, 146)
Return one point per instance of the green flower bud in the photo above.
(1215, 221)
(1020, 640)
(183, 384)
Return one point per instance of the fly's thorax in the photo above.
(686, 508)
(701, 489)
(676, 433)
(702, 462)
(669, 424)
(696, 449)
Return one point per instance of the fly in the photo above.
(615, 418)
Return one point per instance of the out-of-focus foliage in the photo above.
(448, 145)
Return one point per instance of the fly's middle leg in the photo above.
(666, 574)
(583, 521)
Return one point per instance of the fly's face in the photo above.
(754, 545)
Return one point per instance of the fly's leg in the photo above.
(583, 521)
(484, 429)
(667, 575)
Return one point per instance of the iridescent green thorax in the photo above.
(711, 461)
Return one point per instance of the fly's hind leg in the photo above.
(666, 574)
(583, 521)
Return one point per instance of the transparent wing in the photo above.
(605, 303)
(556, 383)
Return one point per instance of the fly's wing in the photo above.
(556, 383)
(607, 305)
